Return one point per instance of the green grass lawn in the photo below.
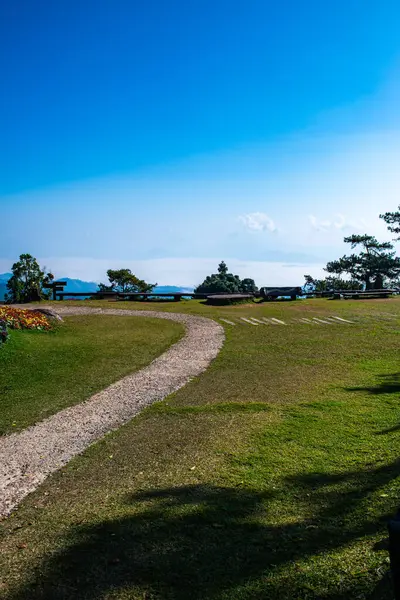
(41, 373)
(271, 476)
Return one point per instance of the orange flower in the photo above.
(19, 318)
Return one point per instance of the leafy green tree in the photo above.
(329, 284)
(27, 280)
(249, 286)
(392, 219)
(123, 280)
(375, 264)
(222, 268)
(225, 282)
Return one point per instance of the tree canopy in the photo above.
(123, 280)
(27, 280)
(392, 220)
(330, 283)
(374, 265)
(225, 282)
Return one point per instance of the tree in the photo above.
(329, 284)
(123, 280)
(249, 286)
(27, 280)
(392, 219)
(222, 268)
(224, 282)
(375, 264)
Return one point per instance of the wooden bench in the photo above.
(56, 287)
(139, 296)
(362, 294)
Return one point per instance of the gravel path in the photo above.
(28, 457)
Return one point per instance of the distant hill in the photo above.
(78, 285)
(3, 290)
(73, 285)
(4, 277)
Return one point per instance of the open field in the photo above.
(270, 476)
(385, 308)
(42, 373)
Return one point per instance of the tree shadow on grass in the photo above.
(205, 542)
(389, 384)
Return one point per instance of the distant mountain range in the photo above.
(4, 277)
(77, 285)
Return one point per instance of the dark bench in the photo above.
(272, 293)
(56, 287)
(142, 296)
(363, 294)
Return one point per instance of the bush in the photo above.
(225, 283)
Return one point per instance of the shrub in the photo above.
(225, 283)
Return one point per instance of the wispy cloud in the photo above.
(258, 221)
(338, 222)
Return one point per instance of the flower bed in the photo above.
(19, 318)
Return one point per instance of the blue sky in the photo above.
(167, 136)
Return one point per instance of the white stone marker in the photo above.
(278, 321)
(248, 321)
(343, 320)
(227, 321)
(322, 321)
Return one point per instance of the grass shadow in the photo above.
(389, 384)
(179, 543)
(207, 542)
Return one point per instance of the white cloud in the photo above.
(319, 225)
(339, 222)
(258, 221)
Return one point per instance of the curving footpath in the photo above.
(28, 457)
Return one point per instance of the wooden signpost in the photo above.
(56, 286)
